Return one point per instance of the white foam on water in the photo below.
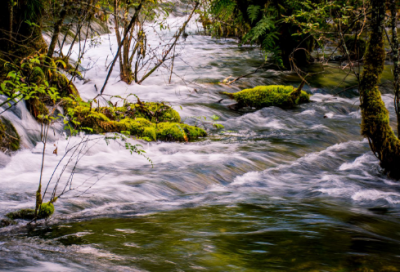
(374, 195)
(307, 112)
(357, 163)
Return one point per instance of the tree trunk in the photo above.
(375, 124)
(396, 62)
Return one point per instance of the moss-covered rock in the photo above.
(267, 96)
(45, 211)
(139, 127)
(155, 112)
(9, 138)
(138, 119)
(179, 132)
(171, 132)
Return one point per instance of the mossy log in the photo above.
(285, 97)
(146, 120)
(9, 138)
(375, 124)
(45, 211)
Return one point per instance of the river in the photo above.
(275, 190)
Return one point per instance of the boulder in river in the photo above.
(267, 96)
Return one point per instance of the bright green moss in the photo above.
(171, 132)
(179, 132)
(155, 112)
(139, 127)
(267, 96)
(193, 133)
(142, 120)
(46, 210)
(91, 120)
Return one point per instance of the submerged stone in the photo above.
(267, 96)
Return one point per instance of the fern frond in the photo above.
(253, 12)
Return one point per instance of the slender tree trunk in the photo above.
(375, 124)
(57, 28)
(124, 65)
(118, 35)
(396, 62)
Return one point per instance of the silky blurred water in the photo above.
(276, 190)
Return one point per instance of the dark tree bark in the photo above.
(375, 124)
(396, 61)
(20, 29)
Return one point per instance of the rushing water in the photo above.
(277, 190)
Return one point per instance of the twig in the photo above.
(134, 18)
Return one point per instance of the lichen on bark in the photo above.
(375, 124)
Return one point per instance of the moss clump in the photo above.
(192, 132)
(9, 138)
(171, 132)
(90, 120)
(149, 121)
(178, 132)
(153, 111)
(267, 96)
(45, 211)
(139, 127)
